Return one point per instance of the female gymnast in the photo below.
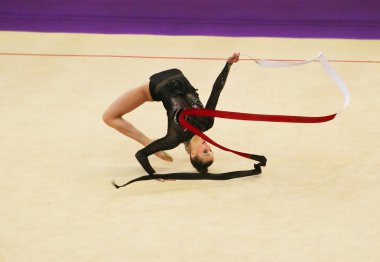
(176, 93)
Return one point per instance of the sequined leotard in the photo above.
(176, 93)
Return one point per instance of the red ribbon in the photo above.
(246, 117)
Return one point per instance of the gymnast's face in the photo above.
(201, 149)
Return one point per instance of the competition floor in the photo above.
(317, 199)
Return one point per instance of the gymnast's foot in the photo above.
(164, 156)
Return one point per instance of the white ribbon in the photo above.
(326, 65)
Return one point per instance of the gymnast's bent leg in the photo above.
(126, 103)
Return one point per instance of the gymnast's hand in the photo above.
(164, 156)
(234, 58)
(164, 180)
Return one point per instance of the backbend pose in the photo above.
(176, 93)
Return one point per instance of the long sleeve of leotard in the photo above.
(205, 123)
(218, 86)
(167, 142)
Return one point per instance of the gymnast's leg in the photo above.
(126, 103)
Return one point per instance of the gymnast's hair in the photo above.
(199, 165)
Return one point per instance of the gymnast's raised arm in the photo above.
(217, 88)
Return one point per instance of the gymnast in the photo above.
(176, 93)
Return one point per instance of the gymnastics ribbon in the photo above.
(268, 118)
(248, 117)
(196, 176)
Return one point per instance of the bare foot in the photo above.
(164, 156)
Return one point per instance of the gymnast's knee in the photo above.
(109, 118)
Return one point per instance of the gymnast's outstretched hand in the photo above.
(234, 58)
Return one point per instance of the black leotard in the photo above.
(176, 93)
